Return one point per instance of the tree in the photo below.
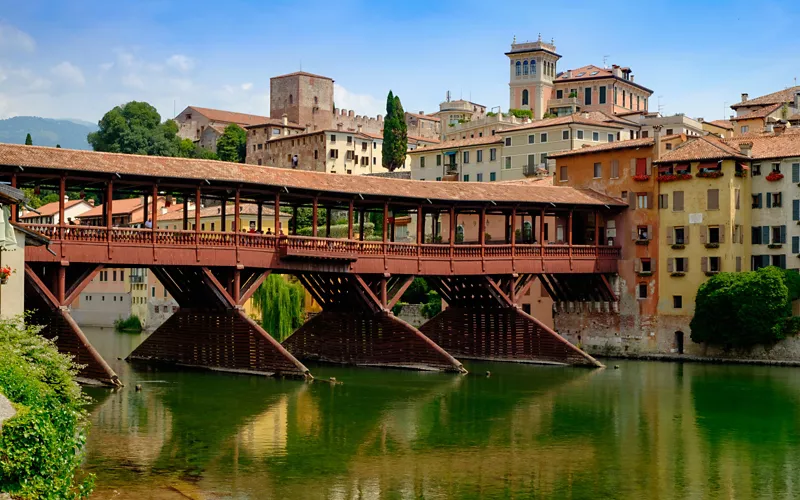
(232, 144)
(282, 306)
(395, 134)
(738, 310)
(28, 140)
(135, 128)
(58, 146)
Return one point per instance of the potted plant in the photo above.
(641, 177)
(5, 272)
(774, 176)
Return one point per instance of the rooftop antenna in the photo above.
(724, 109)
(605, 58)
(660, 106)
(448, 96)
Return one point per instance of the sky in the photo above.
(79, 58)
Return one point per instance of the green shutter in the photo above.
(783, 234)
(769, 200)
(796, 210)
(795, 244)
(795, 172)
(765, 235)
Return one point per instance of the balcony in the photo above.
(563, 102)
(533, 170)
(137, 279)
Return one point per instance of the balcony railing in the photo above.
(305, 245)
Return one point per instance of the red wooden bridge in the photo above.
(550, 233)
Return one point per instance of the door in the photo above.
(679, 341)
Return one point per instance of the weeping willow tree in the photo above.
(281, 306)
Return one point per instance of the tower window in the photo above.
(525, 95)
(519, 68)
(533, 67)
(525, 68)
(291, 99)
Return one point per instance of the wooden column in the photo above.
(597, 230)
(384, 295)
(61, 290)
(420, 224)
(361, 224)
(482, 231)
(237, 286)
(391, 228)
(237, 223)
(277, 209)
(507, 236)
(350, 221)
(62, 192)
(14, 207)
(224, 214)
(541, 230)
(385, 220)
(197, 211)
(314, 216)
(294, 220)
(154, 210)
(327, 222)
(185, 212)
(260, 215)
(569, 232)
(452, 229)
(145, 210)
(513, 230)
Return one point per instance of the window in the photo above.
(466, 157)
(641, 200)
(492, 154)
(563, 174)
(587, 96)
(492, 176)
(669, 131)
(598, 170)
(349, 139)
(646, 266)
(525, 67)
(679, 236)
(713, 234)
(776, 168)
(565, 135)
(623, 97)
(645, 134)
(641, 166)
(778, 235)
(543, 137)
(421, 163)
(595, 136)
(714, 264)
(543, 157)
(508, 141)
(602, 97)
(745, 129)
(334, 153)
(519, 68)
(532, 160)
(508, 162)
(333, 137)
(610, 137)
(525, 97)
(122, 275)
(615, 169)
(642, 290)
(681, 265)
(363, 146)
(776, 199)
(663, 201)
(531, 138)
(580, 134)
(466, 178)
(738, 264)
(713, 199)
(479, 156)
(479, 177)
(641, 233)
(559, 94)
(756, 169)
(677, 302)
(153, 291)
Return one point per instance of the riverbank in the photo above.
(690, 358)
(41, 444)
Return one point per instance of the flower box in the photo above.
(678, 246)
(774, 176)
(715, 174)
(5, 272)
(712, 245)
(643, 242)
(775, 245)
(711, 273)
(678, 274)
(645, 273)
(641, 178)
(674, 177)
(740, 174)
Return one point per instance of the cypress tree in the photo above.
(28, 140)
(395, 134)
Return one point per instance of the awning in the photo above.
(449, 153)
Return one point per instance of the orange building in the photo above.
(622, 170)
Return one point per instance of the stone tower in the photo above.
(304, 98)
(533, 69)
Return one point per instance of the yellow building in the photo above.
(211, 218)
(704, 207)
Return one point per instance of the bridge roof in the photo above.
(195, 171)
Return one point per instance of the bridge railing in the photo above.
(308, 244)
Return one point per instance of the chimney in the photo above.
(164, 210)
(780, 128)
(421, 113)
(746, 148)
(701, 120)
(359, 128)
(339, 126)
(745, 95)
(656, 142)
(285, 119)
(631, 77)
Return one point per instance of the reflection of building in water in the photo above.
(307, 418)
(131, 427)
(266, 434)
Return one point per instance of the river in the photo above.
(645, 430)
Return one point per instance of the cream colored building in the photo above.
(482, 127)
(49, 213)
(458, 111)
(468, 160)
(211, 218)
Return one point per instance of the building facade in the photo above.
(532, 71)
(468, 160)
(49, 213)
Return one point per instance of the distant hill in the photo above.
(71, 134)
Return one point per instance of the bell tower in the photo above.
(532, 72)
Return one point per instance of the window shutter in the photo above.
(703, 234)
(632, 200)
(755, 232)
(670, 265)
(615, 168)
(796, 210)
(795, 244)
(650, 232)
(637, 265)
(738, 264)
(722, 234)
(677, 201)
(795, 172)
(783, 234)
(633, 167)
(769, 200)
(765, 235)
(783, 261)
(687, 230)
(649, 166)
(704, 264)
(649, 200)
(670, 234)
(685, 265)
(741, 234)
(713, 199)
(759, 201)
(634, 234)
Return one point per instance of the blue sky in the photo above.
(77, 59)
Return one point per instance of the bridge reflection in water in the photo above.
(551, 234)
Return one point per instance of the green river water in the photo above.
(646, 430)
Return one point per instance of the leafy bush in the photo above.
(131, 324)
(521, 113)
(433, 306)
(42, 446)
(738, 310)
(340, 231)
(417, 292)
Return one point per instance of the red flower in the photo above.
(774, 176)
(641, 178)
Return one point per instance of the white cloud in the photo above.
(362, 104)
(133, 81)
(247, 86)
(106, 66)
(12, 38)
(180, 62)
(69, 73)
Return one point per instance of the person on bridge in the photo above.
(252, 227)
(269, 231)
(148, 224)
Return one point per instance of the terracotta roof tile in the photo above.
(429, 140)
(119, 207)
(759, 113)
(609, 146)
(595, 119)
(218, 115)
(705, 147)
(425, 117)
(768, 146)
(726, 124)
(57, 160)
(460, 143)
(302, 73)
(50, 209)
(275, 122)
(592, 72)
(781, 96)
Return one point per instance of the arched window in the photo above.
(291, 99)
(519, 68)
(533, 66)
(525, 97)
(525, 68)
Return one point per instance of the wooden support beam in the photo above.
(40, 288)
(218, 289)
(399, 293)
(372, 299)
(62, 193)
(185, 212)
(251, 288)
(277, 209)
(223, 222)
(197, 203)
(498, 292)
(154, 208)
(237, 214)
(361, 224)
(14, 207)
(385, 221)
